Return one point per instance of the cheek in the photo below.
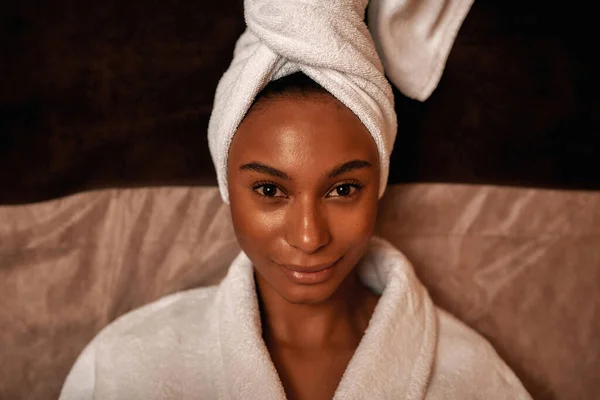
(256, 230)
(354, 226)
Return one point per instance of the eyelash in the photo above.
(353, 184)
(261, 184)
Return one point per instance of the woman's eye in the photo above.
(343, 190)
(268, 190)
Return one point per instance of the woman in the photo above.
(313, 307)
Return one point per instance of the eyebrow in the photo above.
(265, 169)
(339, 170)
(349, 166)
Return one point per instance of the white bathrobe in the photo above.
(206, 344)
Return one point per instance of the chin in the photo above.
(313, 294)
(299, 291)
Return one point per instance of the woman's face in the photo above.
(303, 177)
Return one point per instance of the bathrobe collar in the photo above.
(394, 358)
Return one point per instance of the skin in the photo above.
(303, 177)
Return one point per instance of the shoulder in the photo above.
(182, 311)
(171, 325)
(158, 343)
(468, 367)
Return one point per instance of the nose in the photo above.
(307, 227)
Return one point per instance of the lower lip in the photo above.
(309, 278)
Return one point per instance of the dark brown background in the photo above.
(104, 93)
(112, 94)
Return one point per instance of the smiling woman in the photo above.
(313, 307)
(303, 175)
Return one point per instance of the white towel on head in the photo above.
(325, 39)
(414, 39)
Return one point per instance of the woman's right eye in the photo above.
(268, 190)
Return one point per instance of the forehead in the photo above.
(293, 133)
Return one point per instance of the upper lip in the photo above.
(309, 268)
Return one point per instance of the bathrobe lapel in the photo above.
(393, 360)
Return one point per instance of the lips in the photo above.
(309, 275)
(305, 269)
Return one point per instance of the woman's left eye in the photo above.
(343, 190)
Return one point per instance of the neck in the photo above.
(339, 321)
